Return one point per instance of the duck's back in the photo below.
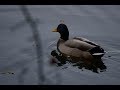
(79, 44)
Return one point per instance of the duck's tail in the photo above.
(97, 51)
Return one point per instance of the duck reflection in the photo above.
(96, 66)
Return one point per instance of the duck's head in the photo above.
(63, 30)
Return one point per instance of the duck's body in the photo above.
(77, 48)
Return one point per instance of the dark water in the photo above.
(60, 60)
(99, 24)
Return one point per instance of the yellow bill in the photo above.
(55, 30)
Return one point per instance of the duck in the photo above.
(77, 48)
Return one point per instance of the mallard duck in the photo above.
(77, 48)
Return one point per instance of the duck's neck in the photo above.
(60, 42)
(64, 37)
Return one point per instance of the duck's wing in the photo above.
(79, 44)
(96, 51)
(86, 40)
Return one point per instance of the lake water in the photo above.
(18, 63)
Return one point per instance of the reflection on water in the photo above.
(97, 66)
